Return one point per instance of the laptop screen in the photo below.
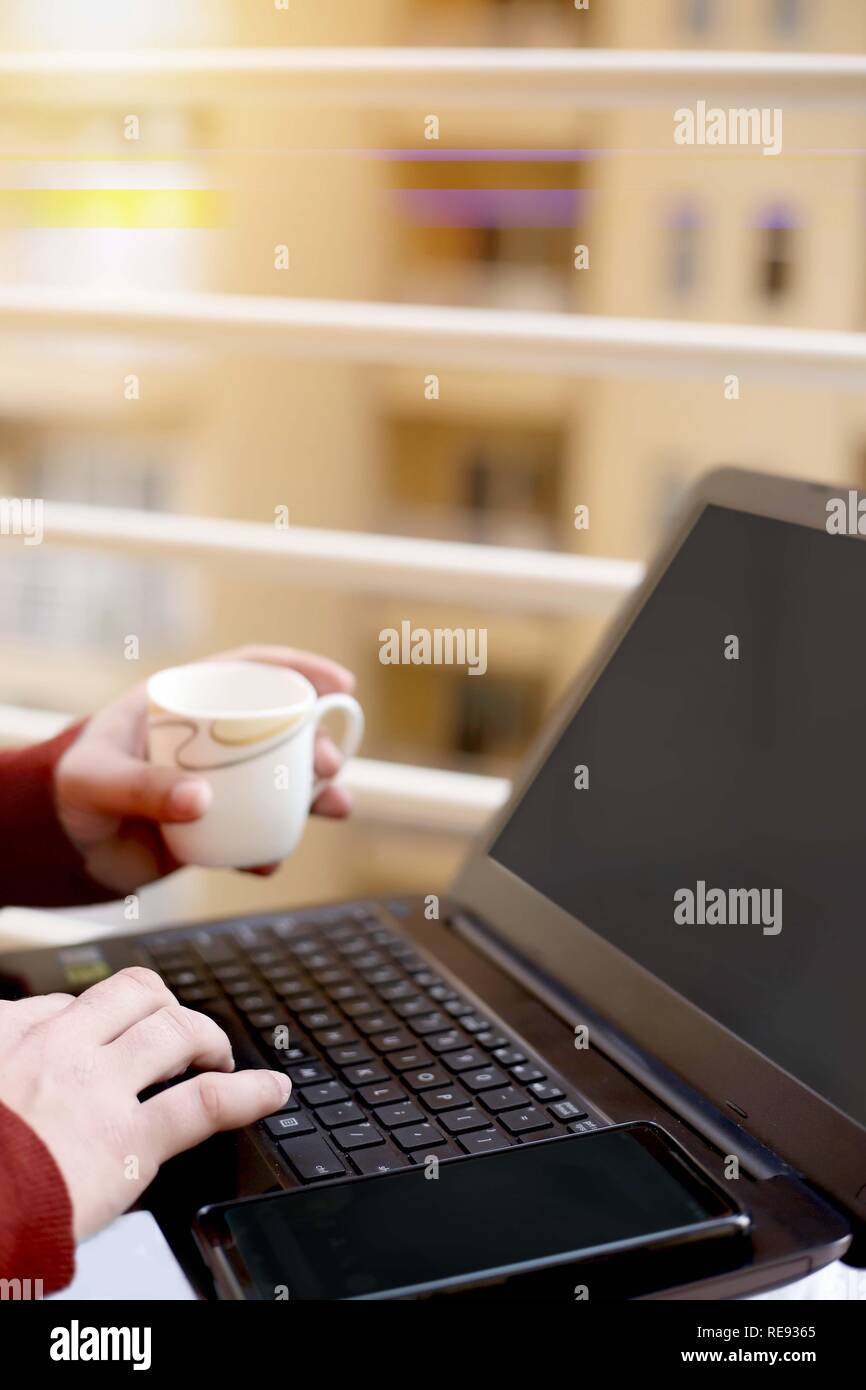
(705, 809)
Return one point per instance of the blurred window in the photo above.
(494, 716)
(484, 230)
(775, 253)
(698, 15)
(475, 482)
(443, 715)
(683, 249)
(65, 596)
(786, 16)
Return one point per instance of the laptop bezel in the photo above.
(810, 1133)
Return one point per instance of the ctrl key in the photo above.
(311, 1158)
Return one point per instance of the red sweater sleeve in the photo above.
(39, 866)
(36, 1238)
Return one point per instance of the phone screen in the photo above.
(477, 1218)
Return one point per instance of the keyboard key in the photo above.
(367, 961)
(413, 1007)
(312, 1159)
(526, 1119)
(196, 994)
(394, 1041)
(493, 1041)
(469, 1117)
(308, 1000)
(444, 993)
(385, 1093)
(424, 1136)
(445, 1098)
(426, 1078)
(544, 1090)
(430, 1023)
(365, 1074)
(340, 993)
(286, 1056)
(349, 1054)
(303, 946)
(214, 950)
(361, 1136)
(508, 1056)
(232, 970)
(483, 1079)
(330, 977)
(566, 1110)
(446, 1042)
(384, 1158)
(274, 973)
(249, 936)
(483, 1141)
(582, 1126)
(305, 1073)
(290, 1104)
(473, 1024)
(335, 1037)
(412, 963)
(319, 960)
(528, 1072)
(357, 1008)
(313, 1019)
(403, 989)
(243, 985)
(348, 1113)
(410, 1060)
(382, 975)
(180, 979)
(328, 1093)
(280, 1126)
(253, 1003)
(265, 958)
(291, 989)
(468, 1059)
(269, 1019)
(404, 1113)
(441, 1152)
(381, 936)
(380, 1022)
(506, 1098)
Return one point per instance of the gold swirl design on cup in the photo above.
(234, 733)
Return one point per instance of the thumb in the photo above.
(116, 784)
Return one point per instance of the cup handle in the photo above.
(353, 733)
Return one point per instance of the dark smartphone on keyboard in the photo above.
(566, 1207)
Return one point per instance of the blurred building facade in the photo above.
(368, 209)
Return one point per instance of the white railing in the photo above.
(388, 77)
(465, 574)
(413, 798)
(433, 337)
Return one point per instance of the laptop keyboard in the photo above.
(390, 1064)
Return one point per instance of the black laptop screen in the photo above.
(718, 834)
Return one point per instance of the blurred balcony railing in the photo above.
(387, 334)
(473, 575)
(389, 77)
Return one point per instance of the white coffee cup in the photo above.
(249, 729)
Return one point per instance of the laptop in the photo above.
(664, 925)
